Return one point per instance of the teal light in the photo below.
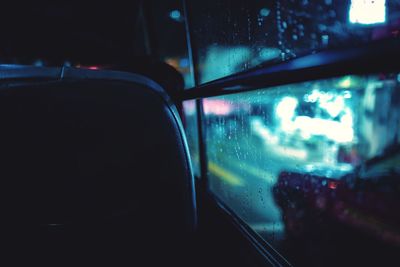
(264, 12)
(175, 14)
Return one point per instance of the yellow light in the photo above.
(345, 83)
(225, 175)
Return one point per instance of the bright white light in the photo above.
(286, 108)
(333, 107)
(347, 119)
(338, 131)
(333, 104)
(367, 11)
(285, 111)
(347, 94)
(314, 96)
(334, 130)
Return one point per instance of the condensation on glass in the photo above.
(312, 167)
(233, 36)
(192, 133)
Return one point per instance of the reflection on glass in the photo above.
(249, 33)
(192, 134)
(312, 167)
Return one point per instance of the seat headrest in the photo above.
(81, 146)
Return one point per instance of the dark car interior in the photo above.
(119, 149)
(89, 167)
(96, 161)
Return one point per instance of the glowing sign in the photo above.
(367, 11)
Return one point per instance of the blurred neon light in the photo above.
(88, 67)
(334, 104)
(346, 83)
(264, 12)
(300, 154)
(217, 107)
(367, 11)
(332, 185)
(268, 53)
(189, 107)
(333, 107)
(286, 108)
(262, 130)
(225, 175)
(334, 130)
(340, 131)
(175, 14)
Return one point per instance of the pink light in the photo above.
(189, 107)
(332, 185)
(217, 107)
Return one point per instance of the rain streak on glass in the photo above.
(253, 33)
(296, 162)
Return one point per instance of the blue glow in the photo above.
(175, 14)
(264, 12)
(268, 53)
(184, 63)
(325, 39)
(367, 11)
(38, 63)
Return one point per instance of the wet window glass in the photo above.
(168, 35)
(233, 36)
(313, 167)
(192, 134)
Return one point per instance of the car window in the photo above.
(277, 157)
(285, 160)
(250, 33)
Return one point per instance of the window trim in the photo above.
(267, 251)
(374, 57)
